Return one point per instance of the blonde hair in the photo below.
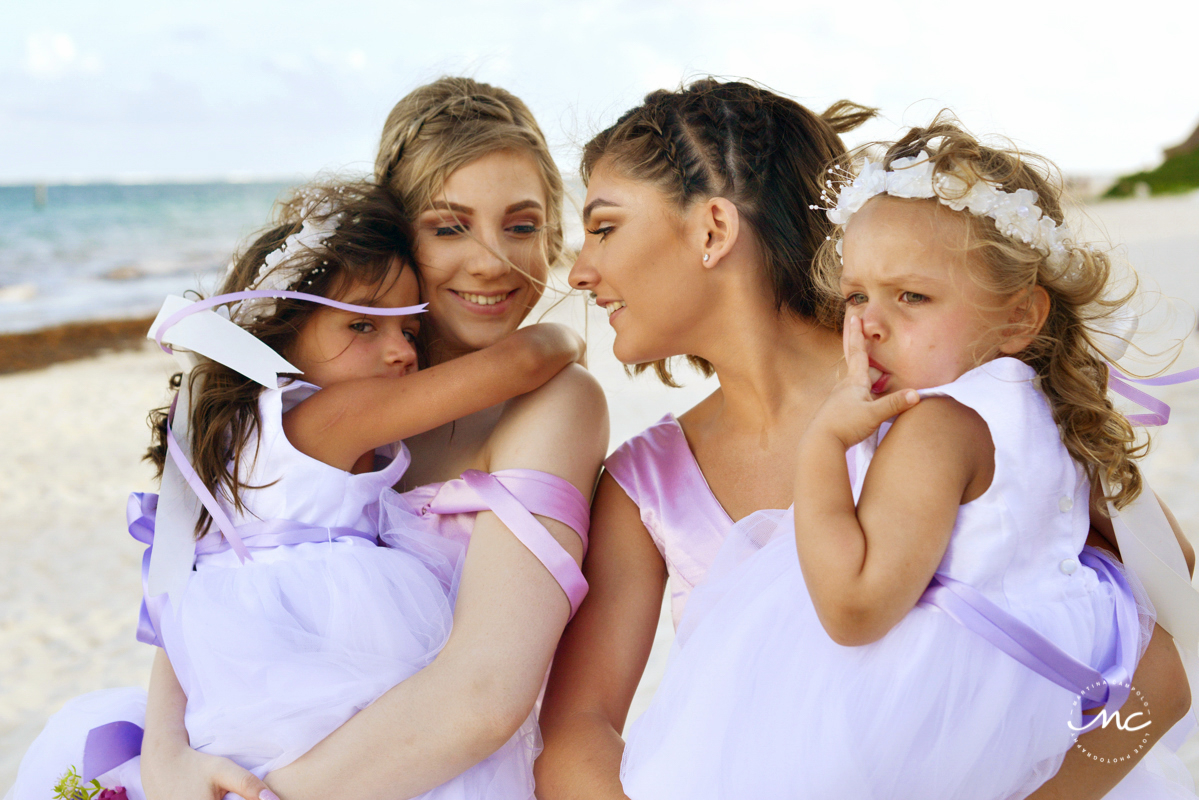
(1067, 352)
(449, 123)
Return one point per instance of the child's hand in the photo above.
(851, 412)
(557, 340)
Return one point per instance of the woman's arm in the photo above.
(602, 654)
(171, 770)
(340, 423)
(509, 615)
(1102, 525)
(1163, 684)
(1161, 680)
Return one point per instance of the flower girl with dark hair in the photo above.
(299, 587)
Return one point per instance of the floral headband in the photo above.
(318, 226)
(1016, 214)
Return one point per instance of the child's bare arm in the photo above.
(339, 424)
(866, 567)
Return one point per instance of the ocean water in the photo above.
(106, 251)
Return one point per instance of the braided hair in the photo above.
(448, 123)
(764, 153)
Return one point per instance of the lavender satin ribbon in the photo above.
(1109, 688)
(223, 523)
(557, 499)
(1159, 411)
(222, 299)
(110, 746)
(140, 512)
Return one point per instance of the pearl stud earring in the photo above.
(706, 257)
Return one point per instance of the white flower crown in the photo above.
(318, 226)
(1016, 214)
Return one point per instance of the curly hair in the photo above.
(372, 235)
(764, 152)
(1068, 351)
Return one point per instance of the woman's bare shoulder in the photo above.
(573, 390)
(562, 428)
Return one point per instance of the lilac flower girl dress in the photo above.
(758, 701)
(276, 653)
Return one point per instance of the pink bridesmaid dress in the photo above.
(758, 701)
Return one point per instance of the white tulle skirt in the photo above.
(277, 653)
(758, 701)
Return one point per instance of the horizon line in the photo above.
(154, 180)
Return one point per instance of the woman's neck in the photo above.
(774, 373)
(445, 452)
(773, 366)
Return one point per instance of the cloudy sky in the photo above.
(142, 89)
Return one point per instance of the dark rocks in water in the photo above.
(74, 340)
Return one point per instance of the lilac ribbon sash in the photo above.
(222, 299)
(110, 746)
(140, 511)
(548, 496)
(223, 523)
(1159, 411)
(1109, 688)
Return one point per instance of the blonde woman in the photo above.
(474, 173)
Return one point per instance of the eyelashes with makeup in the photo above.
(529, 229)
(600, 232)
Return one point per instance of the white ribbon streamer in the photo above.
(213, 336)
(1149, 549)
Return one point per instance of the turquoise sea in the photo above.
(103, 251)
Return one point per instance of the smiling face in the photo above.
(335, 346)
(642, 259)
(481, 251)
(908, 276)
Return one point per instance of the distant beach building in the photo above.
(1086, 186)
(1189, 146)
(1177, 174)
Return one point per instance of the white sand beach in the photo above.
(73, 435)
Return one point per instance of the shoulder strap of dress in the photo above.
(656, 467)
(515, 495)
(648, 454)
